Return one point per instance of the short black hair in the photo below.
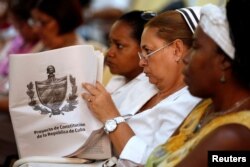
(66, 12)
(21, 8)
(136, 21)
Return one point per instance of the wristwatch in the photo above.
(111, 124)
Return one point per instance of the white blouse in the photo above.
(130, 97)
(153, 126)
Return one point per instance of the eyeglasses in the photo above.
(143, 56)
(147, 15)
(33, 23)
(37, 23)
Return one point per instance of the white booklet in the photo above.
(48, 114)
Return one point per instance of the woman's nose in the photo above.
(110, 52)
(143, 62)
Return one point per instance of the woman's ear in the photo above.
(225, 63)
(179, 49)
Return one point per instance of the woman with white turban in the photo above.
(221, 121)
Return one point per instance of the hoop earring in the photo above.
(223, 78)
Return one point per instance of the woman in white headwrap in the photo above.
(221, 122)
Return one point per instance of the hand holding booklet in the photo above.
(48, 114)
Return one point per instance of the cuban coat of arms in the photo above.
(52, 94)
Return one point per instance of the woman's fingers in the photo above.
(91, 89)
(87, 97)
(100, 87)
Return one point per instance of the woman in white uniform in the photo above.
(165, 41)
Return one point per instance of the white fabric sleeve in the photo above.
(155, 126)
(135, 150)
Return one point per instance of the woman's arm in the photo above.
(4, 104)
(100, 103)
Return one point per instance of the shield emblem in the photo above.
(52, 92)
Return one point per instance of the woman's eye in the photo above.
(148, 51)
(119, 46)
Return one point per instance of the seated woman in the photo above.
(165, 41)
(123, 62)
(26, 41)
(213, 71)
(55, 21)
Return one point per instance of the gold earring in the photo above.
(178, 59)
(223, 78)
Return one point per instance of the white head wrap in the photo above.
(214, 23)
(191, 16)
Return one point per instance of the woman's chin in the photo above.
(152, 81)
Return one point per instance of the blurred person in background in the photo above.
(99, 15)
(159, 5)
(56, 21)
(26, 41)
(6, 30)
(203, 2)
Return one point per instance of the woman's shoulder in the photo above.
(229, 137)
(241, 118)
(232, 128)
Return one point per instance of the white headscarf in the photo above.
(214, 23)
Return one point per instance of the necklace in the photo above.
(211, 115)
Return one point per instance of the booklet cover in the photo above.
(48, 114)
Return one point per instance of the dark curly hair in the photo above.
(67, 13)
(239, 23)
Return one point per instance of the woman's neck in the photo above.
(231, 98)
(166, 91)
(69, 39)
(65, 40)
(133, 75)
(162, 94)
